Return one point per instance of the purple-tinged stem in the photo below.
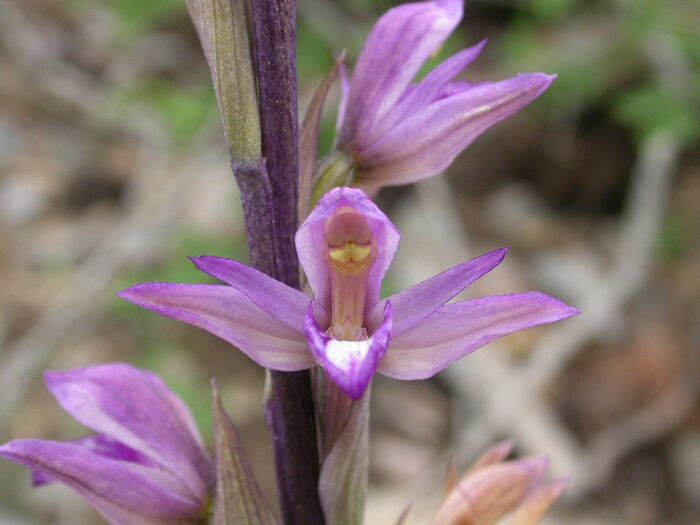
(290, 412)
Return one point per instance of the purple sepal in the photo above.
(349, 364)
(102, 446)
(229, 314)
(458, 329)
(422, 300)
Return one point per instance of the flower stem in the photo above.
(271, 220)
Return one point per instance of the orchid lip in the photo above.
(350, 364)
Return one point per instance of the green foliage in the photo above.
(677, 236)
(551, 10)
(326, 134)
(176, 268)
(183, 110)
(177, 366)
(314, 51)
(136, 17)
(655, 108)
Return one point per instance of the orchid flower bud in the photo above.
(494, 489)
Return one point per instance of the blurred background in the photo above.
(113, 169)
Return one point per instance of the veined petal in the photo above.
(124, 493)
(135, 408)
(349, 364)
(102, 446)
(395, 50)
(428, 142)
(312, 246)
(230, 315)
(420, 301)
(432, 87)
(283, 302)
(458, 329)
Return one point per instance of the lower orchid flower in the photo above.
(345, 247)
(146, 463)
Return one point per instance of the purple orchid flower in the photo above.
(345, 247)
(145, 465)
(397, 131)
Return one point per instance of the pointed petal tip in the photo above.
(559, 310)
(558, 487)
(503, 252)
(479, 46)
(133, 294)
(542, 81)
(503, 449)
(203, 262)
(6, 448)
(17, 450)
(529, 86)
(535, 466)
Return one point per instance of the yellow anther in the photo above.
(359, 252)
(342, 254)
(350, 252)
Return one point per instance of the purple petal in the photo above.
(124, 493)
(312, 246)
(282, 302)
(102, 446)
(420, 301)
(395, 50)
(454, 88)
(460, 328)
(433, 86)
(428, 142)
(349, 364)
(137, 409)
(230, 315)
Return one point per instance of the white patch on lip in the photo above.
(347, 354)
